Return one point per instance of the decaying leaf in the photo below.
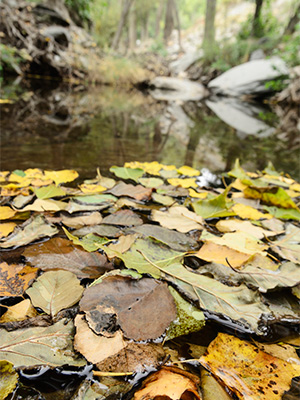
(288, 246)
(123, 218)
(34, 228)
(235, 225)
(15, 279)
(144, 308)
(93, 218)
(19, 312)
(55, 290)
(137, 192)
(179, 218)
(8, 379)
(58, 253)
(169, 383)
(216, 207)
(31, 347)
(249, 372)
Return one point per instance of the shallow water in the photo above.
(56, 128)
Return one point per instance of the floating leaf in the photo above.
(151, 168)
(144, 308)
(8, 379)
(34, 228)
(179, 218)
(169, 383)
(15, 279)
(31, 347)
(127, 173)
(61, 176)
(48, 192)
(19, 312)
(247, 371)
(55, 290)
(60, 253)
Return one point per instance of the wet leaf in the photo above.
(123, 218)
(179, 218)
(175, 240)
(8, 379)
(183, 182)
(6, 213)
(90, 242)
(189, 318)
(19, 312)
(211, 388)
(288, 246)
(248, 372)
(92, 188)
(55, 290)
(15, 279)
(169, 383)
(62, 176)
(6, 228)
(137, 192)
(48, 192)
(60, 253)
(31, 347)
(34, 228)
(93, 218)
(144, 308)
(151, 168)
(127, 173)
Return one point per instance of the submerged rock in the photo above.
(171, 89)
(249, 78)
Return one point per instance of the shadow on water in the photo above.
(56, 128)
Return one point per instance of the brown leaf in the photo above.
(169, 384)
(137, 192)
(144, 307)
(19, 312)
(15, 279)
(58, 253)
(93, 218)
(123, 218)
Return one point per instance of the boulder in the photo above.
(184, 62)
(249, 78)
(172, 89)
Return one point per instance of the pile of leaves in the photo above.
(112, 273)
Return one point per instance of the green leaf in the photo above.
(95, 199)
(283, 213)
(151, 182)
(275, 196)
(55, 290)
(238, 172)
(48, 192)
(127, 173)
(216, 207)
(90, 242)
(8, 379)
(30, 347)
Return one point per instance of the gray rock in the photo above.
(249, 78)
(241, 116)
(257, 54)
(171, 89)
(183, 63)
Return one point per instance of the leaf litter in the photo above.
(145, 262)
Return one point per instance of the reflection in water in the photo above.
(103, 127)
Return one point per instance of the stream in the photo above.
(53, 127)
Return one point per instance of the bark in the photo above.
(144, 28)
(291, 26)
(132, 29)
(125, 11)
(169, 20)
(159, 14)
(176, 17)
(209, 30)
(256, 24)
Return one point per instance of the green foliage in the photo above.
(81, 8)
(11, 58)
(159, 48)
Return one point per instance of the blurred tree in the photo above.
(257, 27)
(209, 29)
(125, 11)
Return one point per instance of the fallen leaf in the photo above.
(45, 205)
(61, 176)
(183, 182)
(127, 173)
(8, 379)
(34, 228)
(162, 199)
(31, 347)
(123, 244)
(288, 246)
(151, 168)
(179, 218)
(137, 192)
(283, 351)
(92, 188)
(222, 254)
(172, 191)
(248, 372)
(60, 253)
(93, 218)
(95, 199)
(197, 195)
(235, 225)
(109, 231)
(169, 383)
(123, 218)
(6, 212)
(55, 290)
(48, 192)
(216, 207)
(15, 279)
(151, 182)
(21, 201)
(6, 228)
(283, 213)
(275, 196)
(246, 212)
(19, 312)
(188, 171)
(90, 242)
(144, 307)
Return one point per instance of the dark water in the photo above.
(57, 128)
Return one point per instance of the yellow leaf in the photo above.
(6, 228)
(65, 175)
(249, 372)
(6, 101)
(92, 188)
(185, 183)
(238, 185)
(19, 312)
(6, 212)
(151, 168)
(247, 212)
(188, 171)
(220, 254)
(295, 186)
(45, 205)
(197, 195)
(3, 174)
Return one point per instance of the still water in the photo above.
(57, 128)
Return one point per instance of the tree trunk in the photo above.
(144, 28)
(159, 13)
(256, 24)
(132, 29)
(209, 30)
(176, 18)
(169, 21)
(125, 11)
(291, 26)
